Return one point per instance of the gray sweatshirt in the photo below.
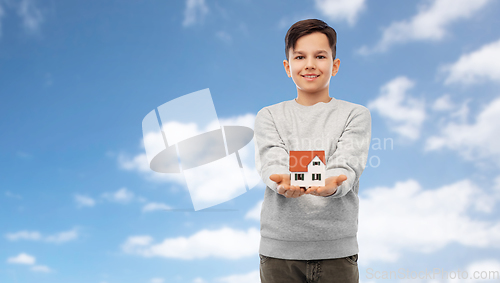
(311, 227)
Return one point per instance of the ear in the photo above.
(287, 67)
(336, 65)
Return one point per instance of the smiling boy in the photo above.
(310, 235)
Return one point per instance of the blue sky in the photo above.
(78, 203)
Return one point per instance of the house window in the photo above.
(315, 163)
(299, 177)
(316, 177)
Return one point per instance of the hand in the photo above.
(284, 188)
(329, 188)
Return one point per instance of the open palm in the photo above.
(284, 188)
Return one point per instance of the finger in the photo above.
(276, 178)
(281, 190)
(299, 191)
(341, 179)
(285, 178)
(286, 193)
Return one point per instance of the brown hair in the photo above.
(306, 27)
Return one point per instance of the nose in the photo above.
(310, 64)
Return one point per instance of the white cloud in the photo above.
(483, 271)
(223, 243)
(30, 14)
(450, 111)
(429, 24)
(199, 280)
(443, 103)
(41, 268)
(246, 120)
(2, 13)
(61, 237)
(152, 206)
(475, 67)
(136, 242)
(12, 195)
(122, 196)
(462, 113)
(82, 201)
(27, 259)
(288, 20)
(24, 235)
(224, 36)
(139, 163)
(22, 258)
(497, 186)
(195, 12)
(473, 141)
(407, 217)
(341, 10)
(254, 213)
(251, 277)
(176, 131)
(157, 280)
(403, 113)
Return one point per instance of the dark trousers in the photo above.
(277, 270)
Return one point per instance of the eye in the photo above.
(298, 57)
(321, 56)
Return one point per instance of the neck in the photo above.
(308, 99)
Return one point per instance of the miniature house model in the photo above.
(307, 168)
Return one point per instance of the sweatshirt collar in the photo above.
(314, 106)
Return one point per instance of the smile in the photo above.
(310, 78)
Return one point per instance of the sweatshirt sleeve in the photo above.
(271, 155)
(351, 154)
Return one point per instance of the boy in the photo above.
(309, 234)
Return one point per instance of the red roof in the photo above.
(300, 159)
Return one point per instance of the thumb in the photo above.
(341, 179)
(275, 178)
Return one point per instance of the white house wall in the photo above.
(308, 182)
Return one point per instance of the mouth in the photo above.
(310, 77)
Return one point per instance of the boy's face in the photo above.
(312, 56)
